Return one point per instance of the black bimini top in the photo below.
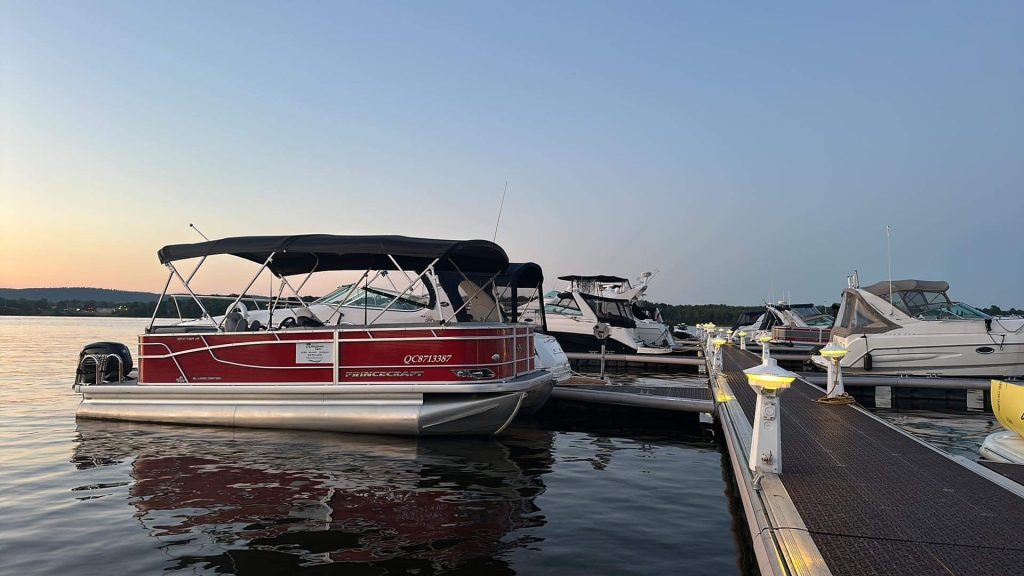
(593, 278)
(306, 253)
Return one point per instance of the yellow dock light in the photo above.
(768, 380)
(718, 341)
(769, 376)
(835, 393)
(764, 338)
(833, 350)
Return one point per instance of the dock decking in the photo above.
(858, 496)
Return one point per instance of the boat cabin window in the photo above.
(565, 305)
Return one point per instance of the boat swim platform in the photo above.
(679, 397)
(857, 495)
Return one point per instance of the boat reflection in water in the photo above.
(253, 501)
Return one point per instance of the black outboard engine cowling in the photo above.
(87, 366)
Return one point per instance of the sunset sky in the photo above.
(738, 148)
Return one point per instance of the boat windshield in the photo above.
(612, 311)
(922, 304)
(369, 298)
(813, 316)
(957, 311)
(565, 306)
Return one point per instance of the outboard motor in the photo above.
(86, 373)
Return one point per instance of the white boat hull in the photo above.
(966, 355)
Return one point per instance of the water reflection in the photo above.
(257, 501)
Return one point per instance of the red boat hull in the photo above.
(384, 355)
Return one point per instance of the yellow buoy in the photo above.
(1008, 405)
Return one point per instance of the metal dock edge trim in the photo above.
(780, 538)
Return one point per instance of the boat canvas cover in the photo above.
(306, 253)
(859, 317)
(882, 288)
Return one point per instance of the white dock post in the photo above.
(834, 353)
(768, 380)
(766, 354)
(718, 341)
(743, 339)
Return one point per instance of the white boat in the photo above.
(572, 315)
(799, 327)
(468, 373)
(912, 327)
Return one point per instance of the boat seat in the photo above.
(234, 322)
(255, 325)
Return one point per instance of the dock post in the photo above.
(743, 339)
(768, 380)
(718, 341)
(766, 354)
(834, 384)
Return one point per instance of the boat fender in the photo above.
(867, 362)
(988, 324)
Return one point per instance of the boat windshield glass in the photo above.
(614, 312)
(813, 316)
(922, 304)
(369, 298)
(566, 306)
(956, 311)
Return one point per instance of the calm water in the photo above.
(109, 498)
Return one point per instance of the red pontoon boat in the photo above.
(468, 372)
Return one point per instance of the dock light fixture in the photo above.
(834, 353)
(743, 339)
(768, 380)
(764, 339)
(718, 341)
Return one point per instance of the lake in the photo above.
(548, 496)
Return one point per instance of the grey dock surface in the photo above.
(858, 496)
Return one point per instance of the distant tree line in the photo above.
(187, 306)
(721, 314)
(671, 314)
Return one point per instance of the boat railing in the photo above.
(100, 364)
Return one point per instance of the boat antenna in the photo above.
(198, 231)
(500, 207)
(888, 255)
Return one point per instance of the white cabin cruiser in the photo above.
(572, 315)
(651, 333)
(469, 373)
(912, 327)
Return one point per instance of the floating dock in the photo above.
(859, 496)
(681, 397)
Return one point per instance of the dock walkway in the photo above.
(863, 496)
